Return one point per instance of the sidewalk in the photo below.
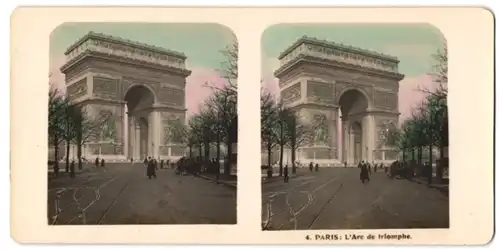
(231, 180)
(442, 187)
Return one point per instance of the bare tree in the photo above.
(298, 132)
(269, 120)
(56, 105)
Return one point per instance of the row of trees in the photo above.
(282, 127)
(216, 123)
(428, 125)
(70, 124)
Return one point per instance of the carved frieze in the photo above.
(320, 92)
(77, 89)
(138, 74)
(386, 100)
(130, 52)
(342, 53)
(291, 94)
(171, 96)
(105, 87)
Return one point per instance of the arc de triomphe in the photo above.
(335, 86)
(141, 87)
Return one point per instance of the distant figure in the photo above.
(72, 169)
(375, 168)
(97, 162)
(345, 164)
(150, 170)
(311, 166)
(102, 163)
(428, 172)
(316, 168)
(161, 164)
(364, 175)
(369, 168)
(146, 161)
(131, 160)
(285, 173)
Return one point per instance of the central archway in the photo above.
(140, 100)
(353, 106)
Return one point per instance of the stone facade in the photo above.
(334, 79)
(105, 74)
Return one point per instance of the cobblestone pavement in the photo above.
(122, 194)
(335, 198)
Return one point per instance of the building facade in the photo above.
(140, 87)
(348, 95)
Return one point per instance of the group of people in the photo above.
(366, 170)
(407, 170)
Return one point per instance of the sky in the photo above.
(201, 43)
(413, 44)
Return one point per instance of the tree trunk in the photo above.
(56, 155)
(269, 166)
(420, 155)
(440, 166)
(227, 164)
(191, 152)
(282, 148)
(217, 144)
(79, 148)
(207, 152)
(404, 154)
(67, 155)
(294, 168)
(430, 156)
(412, 155)
(200, 151)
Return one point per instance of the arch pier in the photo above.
(348, 95)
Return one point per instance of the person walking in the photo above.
(364, 175)
(285, 173)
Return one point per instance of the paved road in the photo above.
(122, 194)
(334, 198)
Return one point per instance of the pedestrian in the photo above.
(72, 169)
(285, 173)
(97, 162)
(102, 163)
(428, 173)
(150, 170)
(131, 160)
(369, 168)
(363, 175)
(316, 168)
(345, 164)
(311, 166)
(161, 164)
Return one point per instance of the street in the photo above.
(335, 198)
(122, 194)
